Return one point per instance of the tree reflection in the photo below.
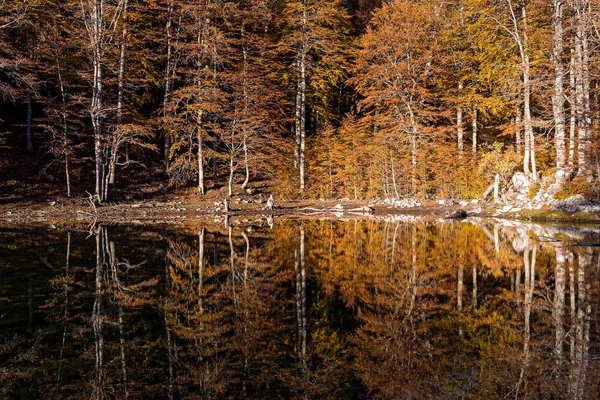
(309, 309)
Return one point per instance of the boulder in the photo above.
(521, 182)
(458, 214)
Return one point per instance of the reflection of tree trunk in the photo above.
(246, 256)
(232, 256)
(29, 114)
(579, 363)
(572, 302)
(122, 345)
(394, 248)
(529, 288)
(200, 268)
(559, 304)
(66, 312)
(97, 314)
(168, 331)
(475, 286)
(459, 290)
(30, 303)
(300, 267)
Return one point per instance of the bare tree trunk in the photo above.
(459, 125)
(518, 137)
(558, 100)
(245, 131)
(301, 103)
(474, 123)
(120, 93)
(215, 163)
(29, 117)
(521, 39)
(413, 149)
(302, 120)
(582, 87)
(63, 115)
(200, 138)
(231, 171)
(168, 82)
(573, 109)
(94, 18)
(528, 120)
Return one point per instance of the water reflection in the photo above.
(307, 309)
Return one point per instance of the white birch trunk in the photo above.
(474, 123)
(558, 100)
(459, 125)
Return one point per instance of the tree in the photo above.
(315, 35)
(394, 71)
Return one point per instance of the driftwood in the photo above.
(270, 203)
(495, 187)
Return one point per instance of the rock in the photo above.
(51, 203)
(458, 214)
(249, 191)
(521, 182)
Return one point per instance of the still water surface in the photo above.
(302, 309)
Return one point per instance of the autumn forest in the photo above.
(313, 98)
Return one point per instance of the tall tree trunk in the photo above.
(63, 115)
(246, 106)
(302, 120)
(474, 123)
(200, 138)
(168, 83)
(558, 100)
(94, 19)
(582, 82)
(231, 170)
(120, 93)
(518, 137)
(301, 102)
(29, 117)
(521, 39)
(459, 125)
(573, 111)
(528, 120)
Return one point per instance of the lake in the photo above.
(318, 309)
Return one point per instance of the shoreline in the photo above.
(79, 211)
